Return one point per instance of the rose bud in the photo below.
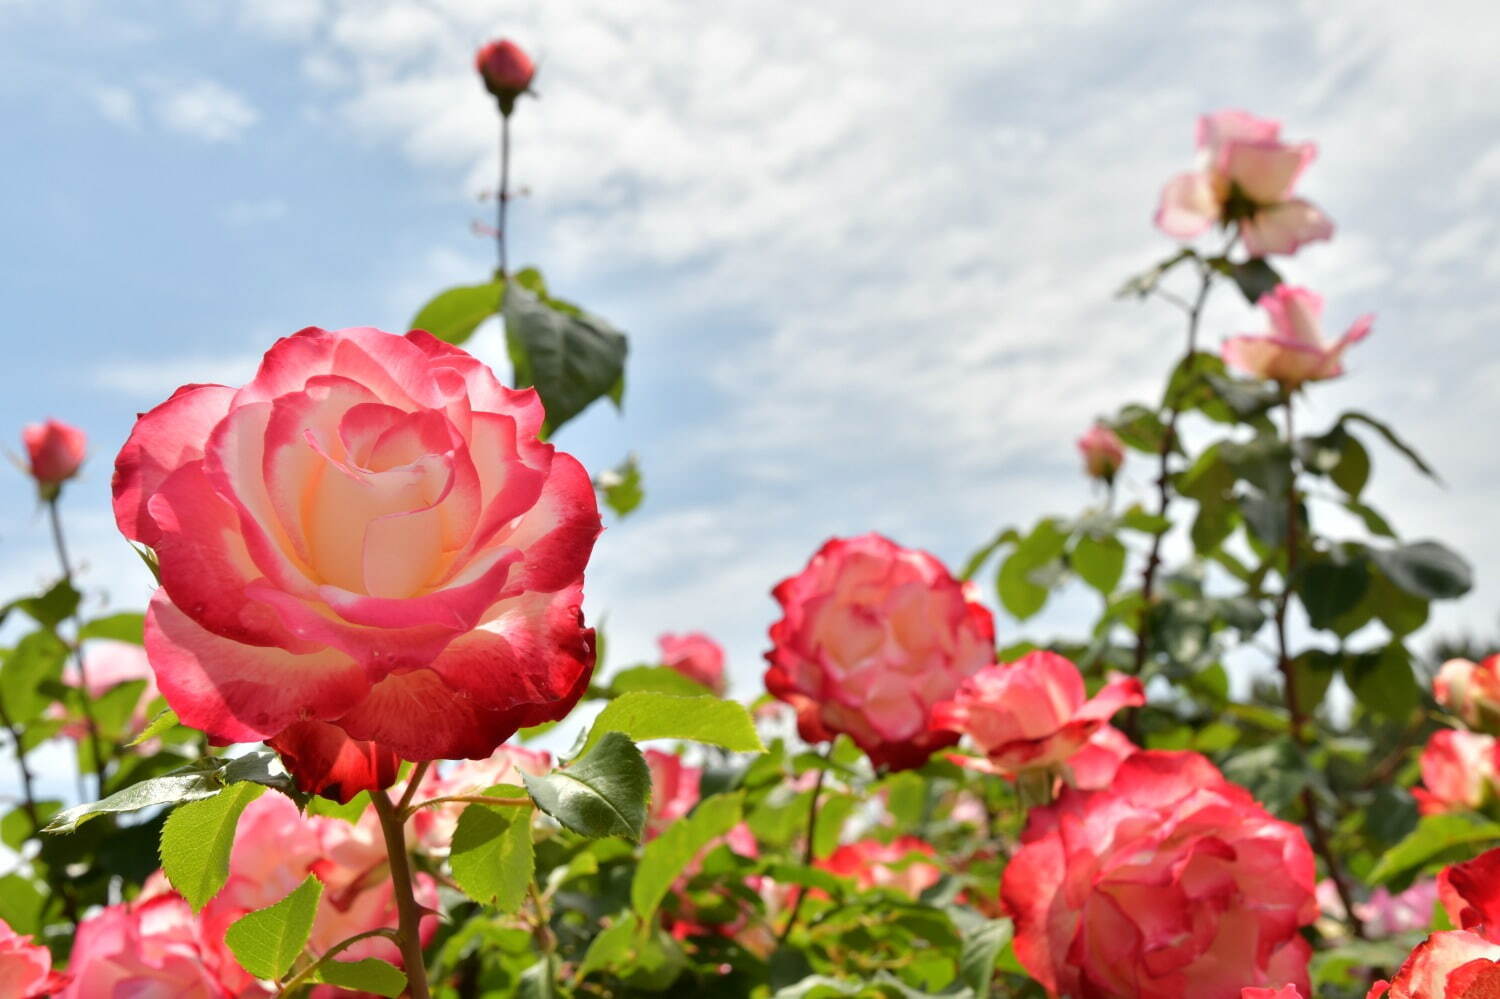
(1170, 882)
(54, 452)
(1245, 176)
(507, 71)
(695, 656)
(873, 636)
(1456, 964)
(1294, 351)
(367, 555)
(1103, 454)
(1471, 691)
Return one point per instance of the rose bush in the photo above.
(365, 553)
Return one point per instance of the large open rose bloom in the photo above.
(1033, 714)
(873, 635)
(365, 553)
(1471, 691)
(1294, 351)
(1171, 882)
(1246, 175)
(1456, 964)
(151, 947)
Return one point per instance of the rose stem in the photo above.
(807, 849)
(83, 679)
(409, 930)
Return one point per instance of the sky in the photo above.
(865, 252)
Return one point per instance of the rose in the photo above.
(1031, 715)
(25, 967)
(1384, 914)
(1170, 882)
(1102, 451)
(54, 453)
(507, 71)
(695, 656)
(152, 946)
(108, 664)
(1471, 691)
(1286, 992)
(872, 864)
(1459, 771)
(1245, 175)
(432, 828)
(1095, 765)
(1452, 965)
(873, 635)
(1470, 893)
(365, 553)
(1294, 351)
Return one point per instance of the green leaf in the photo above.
(1139, 428)
(1253, 277)
(16, 827)
(1383, 682)
(982, 555)
(1427, 569)
(603, 793)
(196, 841)
(1246, 399)
(1143, 284)
(492, 857)
(367, 975)
(1021, 584)
(1099, 562)
(539, 981)
(455, 314)
(665, 857)
(199, 779)
(36, 659)
(657, 679)
(1391, 439)
(570, 357)
(1274, 773)
(165, 721)
(124, 627)
(266, 942)
(21, 904)
(621, 486)
(612, 946)
(51, 608)
(1435, 840)
(981, 950)
(647, 715)
(1330, 588)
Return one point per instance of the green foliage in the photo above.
(621, 486)
(366, 975)
(1438, 839)
(644, 714)
(569, 356)
(666, 856)
(656, 680)
(266, 942)
(197, 838)
(453, 315)
(492, 856)
(602, 793)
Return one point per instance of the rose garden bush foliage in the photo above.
(304, 769)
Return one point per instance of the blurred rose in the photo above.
(1286, 992)
(1471, 691)
(1103, 454)
(1171, 882)
(1452, 965)
(107, 664)
(147, 948)
(366, 543)
(54, 453)
(1031, 714)
(432, 828)
(1385, 914)
(1095, 765)
(695, 656)
(1245, 175)
(1294, 351)
(894, 865)
(25, 967)
(1470, 893)
(873, 635)
(506, 69)
(1459, 771)
(674, 790)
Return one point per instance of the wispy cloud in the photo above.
(206, 110)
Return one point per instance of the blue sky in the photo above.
(865, 251)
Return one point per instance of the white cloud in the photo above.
(158, 379)
(207, 110)
(117, 105)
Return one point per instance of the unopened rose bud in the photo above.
(507, 71)
(1103, 454)
(54, 451)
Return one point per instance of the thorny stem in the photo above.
(417, 773)
(504, 197)
(808, 847)
(1294, 706)
(301, 978)
(84, 698)
(409, 928)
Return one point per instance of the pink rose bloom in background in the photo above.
(1102, 451)
(695, 656)
(366, 553)
(432, 828)
(1286, 992)
(1245, 175)
(674, 790)
(1033, 714)
(1385, 914)
(1470, 893)
(54, 453)
(506, 69)
(151, 947)
(1471, 691)
(107, 664)
(1451, 965)
(873, 635)
(1171, 882)
(1095, 765)
(873, 864)
(1294, 351)
(25, 967)
(1459, 771)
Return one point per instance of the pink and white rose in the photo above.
(1471, 691)
(1294, 351)
(1459, 771)
(695, 656)
(1103, 452)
